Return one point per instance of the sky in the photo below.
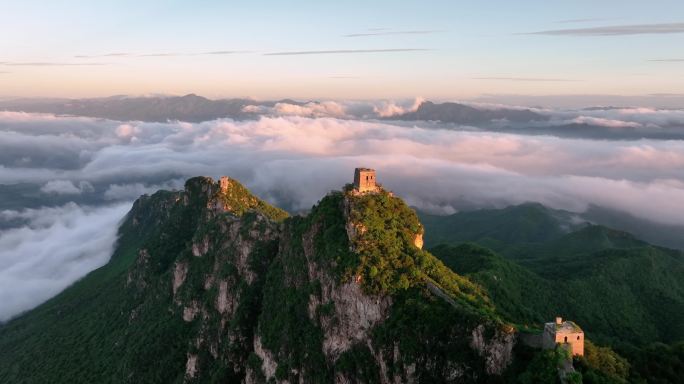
(341, 50)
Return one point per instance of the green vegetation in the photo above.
(543, 367)
(498, 229)
(240, 200)
(432, 336)
(619, 289)
(622, 291)
(602, 365)
(119, 323)
(284, 324)
(101, 329)
(657, 363)
(385, 228)
(389, 261)
(519, 294)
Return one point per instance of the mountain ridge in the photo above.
(205, 290)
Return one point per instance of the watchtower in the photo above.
(364, 180)
(566, 333)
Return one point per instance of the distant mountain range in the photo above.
(449, 115)
(191, 108)
(195, 108)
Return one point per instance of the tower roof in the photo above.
(566, 326)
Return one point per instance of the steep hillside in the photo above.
(500, 229)
(620, 288)
(534, 223)
(211, 284)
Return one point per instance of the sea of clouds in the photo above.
(89, 171)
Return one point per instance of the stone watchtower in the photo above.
(364, 180)
(566, 333)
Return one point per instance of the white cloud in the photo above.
(67, 187)
(311, 109)
(60, 187)
(127, 131)
(393, 108)
(608, 123)
(134, 190)
(293, 161)
(57, 247)
(250, 150)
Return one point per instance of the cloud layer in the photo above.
(71, 155)
(296, 154)
(56, 247)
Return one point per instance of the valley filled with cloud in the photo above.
(78, 176)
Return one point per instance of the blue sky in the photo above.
(435, 49)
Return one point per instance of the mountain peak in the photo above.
(228, 196)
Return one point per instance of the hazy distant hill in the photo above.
(193, 108)
(528, 122)
(533, 222)
(190, 108)
(464, 114)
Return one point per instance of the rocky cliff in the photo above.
(211, 284)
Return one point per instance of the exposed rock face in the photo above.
(224, 303)
(200, 248)
(190, 311)
(354, 314)
(418, 241)
(191, 367)
(497, 351)
(179, 274)
(268, 363)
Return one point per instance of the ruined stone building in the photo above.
(364, 180)
(566, 333)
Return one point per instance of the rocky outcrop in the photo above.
(191, 367)
(230, 259)
(268, 362)
(418, 241)
(497, 350)
(200, 248)
(354, 316)
(179, 274)
(190, 311)
(354, 313)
